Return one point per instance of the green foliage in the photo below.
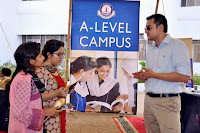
(196, 79)
(140, 81)
(63, 66)
(9, 65)
(143, 64)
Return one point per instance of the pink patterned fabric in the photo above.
(26, 113)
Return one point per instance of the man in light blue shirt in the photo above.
(167, 68)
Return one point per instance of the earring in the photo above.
(96, 72)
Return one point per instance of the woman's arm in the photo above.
(32, 118)
(60, 92)
(43, 76)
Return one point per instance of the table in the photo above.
(4, 111)
(190, 112)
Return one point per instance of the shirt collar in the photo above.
(165, 41)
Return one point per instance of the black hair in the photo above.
(23, 54)
(158, 20)
(51, 46)
(83, 62)
(101, 61)
(6, 71)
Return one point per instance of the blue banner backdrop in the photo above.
(106, 31)
(108, 25)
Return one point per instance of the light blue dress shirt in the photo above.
(171, 56)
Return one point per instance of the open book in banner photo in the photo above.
(104, 54)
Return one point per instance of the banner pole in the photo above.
(68, 43)
(68, 50)
(156, 11)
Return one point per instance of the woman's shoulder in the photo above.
(93, 78)
(59, 72)
(115, 87)
(44, 75)
(41, 70)
(22, 76)
(114, 81)
(117, 84)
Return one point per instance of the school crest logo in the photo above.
(106, 11)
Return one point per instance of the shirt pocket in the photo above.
(164, 63)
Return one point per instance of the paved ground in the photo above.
(85, 122)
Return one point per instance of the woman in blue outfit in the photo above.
(78, 67)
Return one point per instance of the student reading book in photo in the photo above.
(121, 101)
(82, 65)
(102, 87)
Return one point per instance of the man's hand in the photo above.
(148, 73)
(144, 74)
(137, 75)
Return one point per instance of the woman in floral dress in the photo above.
(54, 85)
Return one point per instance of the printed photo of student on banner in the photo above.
(104, 54)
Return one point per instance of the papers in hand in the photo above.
(107, 105)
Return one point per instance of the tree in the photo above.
(8, 65)
(143, 64)
(196, 79)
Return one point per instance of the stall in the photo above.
(190, 112)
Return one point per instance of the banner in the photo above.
(104, 54)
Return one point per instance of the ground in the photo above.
(85, 122)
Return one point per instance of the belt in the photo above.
(161, 95)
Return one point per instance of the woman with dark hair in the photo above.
(83, 67)
(103, 87)
(26, 111)
(5, 77)
(55, 86)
